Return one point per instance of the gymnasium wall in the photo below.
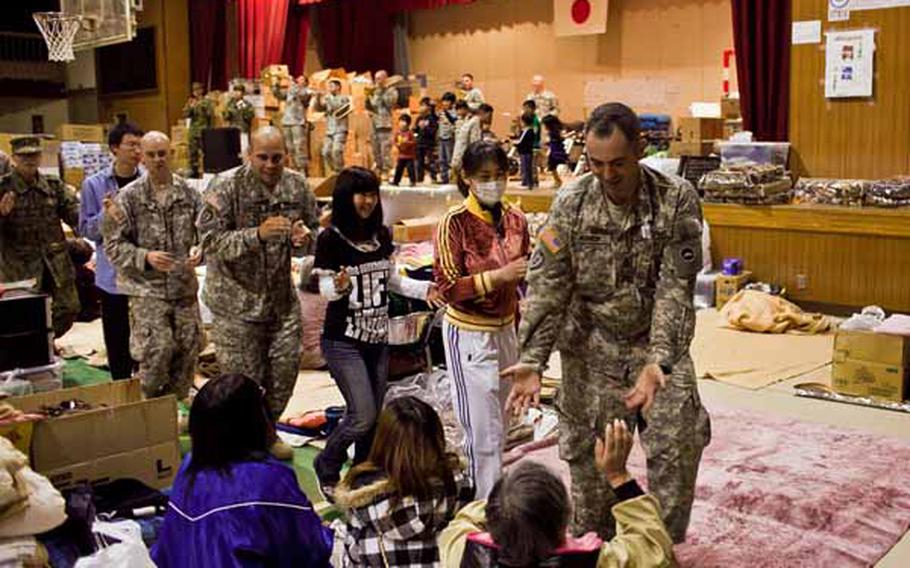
(657, 55)
(16, 113)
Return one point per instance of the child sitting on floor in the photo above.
(405, 493)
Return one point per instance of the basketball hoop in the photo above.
(59, 30)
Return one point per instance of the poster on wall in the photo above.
(849, 57)
(854, 5)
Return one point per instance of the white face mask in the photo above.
(490, 192)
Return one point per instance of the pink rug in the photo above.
(778, 492)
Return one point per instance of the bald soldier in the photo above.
(149, 232)
(545, 100)
(254, 219)
(32, 243)
(611, 286)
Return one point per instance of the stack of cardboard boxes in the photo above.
(83, 151)
(697, 136)
(180, 147)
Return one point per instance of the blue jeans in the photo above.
(527, 170)
(446, 149)
(360, 371)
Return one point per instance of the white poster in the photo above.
(854, 5)
(807, 32)
(849, 57)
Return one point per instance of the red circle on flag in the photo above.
(581, 11)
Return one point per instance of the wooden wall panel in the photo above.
(852, 138)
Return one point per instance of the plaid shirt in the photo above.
(387, 530)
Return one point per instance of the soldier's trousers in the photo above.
(165, 339)
(673, 435)
(382, 148)
(195, 153)
(474, 360)
(65, 305)
(333, 150)
(267, 352)
(298, 141)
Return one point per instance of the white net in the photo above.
(59, 30)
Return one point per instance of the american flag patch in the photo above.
(550, 239)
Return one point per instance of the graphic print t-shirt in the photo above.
(363, 314)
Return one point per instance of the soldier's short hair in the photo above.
(468, 75)
(121, 129)
(608, 117)
(527, 514)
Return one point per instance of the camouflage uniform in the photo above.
(4, 163)
(239, 114)
(165, 327)
(201, 117)
(380, 104)
(294, 124)
(32, 244)
(256, 328)
(336, 130)
(474, 98)
(546, 102)
(613, 297)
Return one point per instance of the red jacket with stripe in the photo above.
(468, 247)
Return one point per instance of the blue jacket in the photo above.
(254, 515)
(91, 209)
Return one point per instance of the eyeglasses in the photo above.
(129, 145)
(273, 158)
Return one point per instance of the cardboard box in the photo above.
(729, 108)
(414, 230)
(680, 149)
(700, 129)
(74, 177)
(727, 286)
(122, 437)
(81, 132)
(868, 379)
(879, 348)
(180, 134)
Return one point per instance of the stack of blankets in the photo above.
(893, 192)
(751, 184)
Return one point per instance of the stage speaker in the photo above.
(221, 149)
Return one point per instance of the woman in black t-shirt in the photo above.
(356, 275)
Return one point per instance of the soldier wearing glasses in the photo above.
(254, 218)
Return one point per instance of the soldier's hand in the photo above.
(612, 452)
(275, 229)
(525, 391)
(7, 202)
(642, 394)
(195, 257)
(342, 280)
(300, 234)
(160, 260)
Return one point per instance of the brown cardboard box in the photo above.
(727, 286)
(700, 129)
(880, 348)
(680, 149)
(868, 379)
(81, 132)
(180, 134)
(123, 436)
(414, 230)
(74, 177)
(729, 108)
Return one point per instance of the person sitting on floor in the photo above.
(405, 493)
(232, 504)
(527, 515)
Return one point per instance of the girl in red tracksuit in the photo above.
(480, 257)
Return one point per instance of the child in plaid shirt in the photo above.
(405, 493)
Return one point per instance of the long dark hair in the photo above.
(476, 155)
(410, 448)
(353, 180)
(527, 514)
(229, 422)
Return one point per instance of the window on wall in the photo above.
(128, 67)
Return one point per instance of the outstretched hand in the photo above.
(525, 391)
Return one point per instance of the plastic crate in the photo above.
(776, 153)
(40, 379)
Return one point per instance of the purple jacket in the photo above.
(253, 515)
(94, 189)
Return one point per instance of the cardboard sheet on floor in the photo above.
(754, 360)
(315, 390)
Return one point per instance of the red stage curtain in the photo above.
(262, 25)
(761, 37)
(354, 35)
(207, 57)
(295, 40)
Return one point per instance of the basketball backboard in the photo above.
(104, 22)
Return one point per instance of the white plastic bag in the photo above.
(129, 552)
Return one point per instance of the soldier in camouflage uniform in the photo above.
(611, 287)
(294, 123)
(254, 218)
(336, 128)
(32, 243)
(201, 112)
(473, 96)
(4, 163)
(149, 235)
(545, 100)
(381, 103)
(239, 112)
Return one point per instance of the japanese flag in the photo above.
(579, 17)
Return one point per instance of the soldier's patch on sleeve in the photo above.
(536, 260)
(209, 217)
(549, 238)
(114, 211)
(688, 258)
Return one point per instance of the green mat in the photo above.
(78, 373)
